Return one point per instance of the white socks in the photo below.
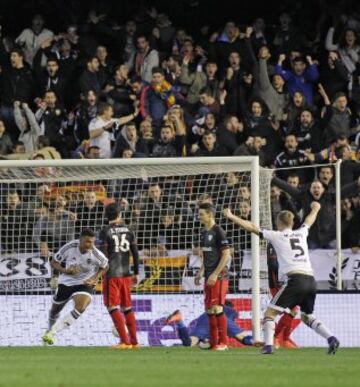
(318, 327)
(66, 321)
(269, 330)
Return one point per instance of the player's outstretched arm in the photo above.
(245, 224)
(311, 218)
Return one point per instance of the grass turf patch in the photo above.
(176, 366)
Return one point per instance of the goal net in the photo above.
(45, 204)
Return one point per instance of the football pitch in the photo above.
(176, 366)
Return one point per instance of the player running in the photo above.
(293, 255)
(117, 242)
(215, 251)
(80, 265)
(199, 335)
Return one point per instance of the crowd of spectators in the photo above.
(152, 88)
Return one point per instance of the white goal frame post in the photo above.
(235, 164)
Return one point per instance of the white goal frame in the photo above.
(249, 163)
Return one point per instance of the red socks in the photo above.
(218, 329)
(214, 337)
(131, 325)
(119, 323)
(222, 328)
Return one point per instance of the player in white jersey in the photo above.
(80, 265)
(300, 288)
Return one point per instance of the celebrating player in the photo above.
(80, 265)
(215, 252)
(293, 256)
(117, 241)
(199, 335)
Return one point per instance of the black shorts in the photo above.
(299, 290)
(64, 293)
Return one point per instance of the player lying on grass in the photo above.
(293, 255)
(200, 334)
(80, 265)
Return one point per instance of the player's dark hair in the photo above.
(208, 207)
(112, 212)
(87, 232)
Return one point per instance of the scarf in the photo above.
(164, 91)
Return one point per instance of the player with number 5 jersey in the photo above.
(118, 243)
(300, 288)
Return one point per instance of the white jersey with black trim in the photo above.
(291, 249)
(90, 263)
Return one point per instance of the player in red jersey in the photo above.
(216, 259)
(117, 242)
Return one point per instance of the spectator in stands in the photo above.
(208, 104)
(50, 79)
(118, 91)
(307, 131)
(210, 146)
(128, 139)
(5, 140)
(89, 213)
(27, 124)
(31, 38)
(272, 93)
(291, 157)
(87, 111)
(301, 77)
(326, 176)
(15, 224)
(50, 117)
(90, 78)
(170, 144)
(146, 59)
(157, 98)
(54, 229)
(336, 118)
(17, 83)
(101, 128)
(252, 147)
(322, 234)
(231, 135)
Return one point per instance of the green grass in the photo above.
(65, 367)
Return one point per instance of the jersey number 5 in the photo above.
(121, 244)
(295, 246)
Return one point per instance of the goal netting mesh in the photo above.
(44, 207)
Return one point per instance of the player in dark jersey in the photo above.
(118, 242)
(216, 259)
(284, 326)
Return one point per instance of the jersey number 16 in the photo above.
(121, 244)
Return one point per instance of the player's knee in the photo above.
(270, 314)
(307, 319)
(111, 308)
(126, 310)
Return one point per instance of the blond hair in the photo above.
(286, 218)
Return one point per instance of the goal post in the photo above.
(159, 200)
